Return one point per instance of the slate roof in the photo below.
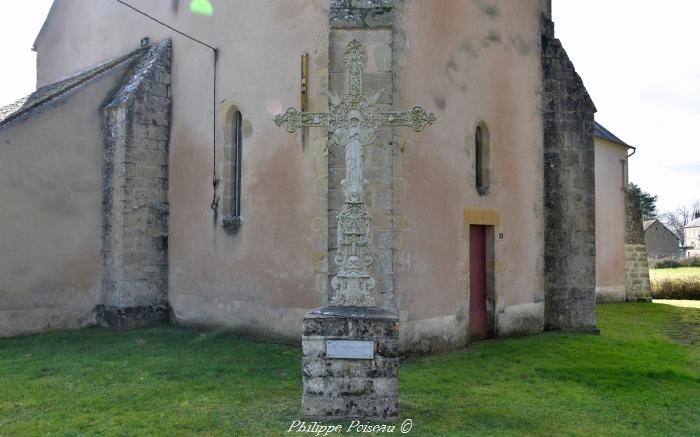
(25, 107)
(600, 132)
(694, 223)
(647, 223)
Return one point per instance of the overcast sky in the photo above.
(638, 59)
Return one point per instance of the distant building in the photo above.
(661, 242)
(692, 238)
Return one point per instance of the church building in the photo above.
(145, 181)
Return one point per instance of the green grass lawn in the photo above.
(677, 273)
(640, 377)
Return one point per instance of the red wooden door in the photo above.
(478, 329)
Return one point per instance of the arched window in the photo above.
(232, 173)
(481, 158)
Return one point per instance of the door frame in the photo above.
(490, 218)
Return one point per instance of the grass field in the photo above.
(679, 303)
(640, 376)
(675, 283)
(676, 273)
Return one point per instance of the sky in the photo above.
(638, 60)
(20, 21)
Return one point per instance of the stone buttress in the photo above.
(135, 195)
(637, 285)
(569, 191)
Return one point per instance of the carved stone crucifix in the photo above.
(353, 121)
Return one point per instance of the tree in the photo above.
(681, 216)
(648, 202)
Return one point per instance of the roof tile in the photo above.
(25, 106)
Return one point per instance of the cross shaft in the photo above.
(353, 121)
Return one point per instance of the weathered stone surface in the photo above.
(131, 317)
(634, 225)
(637, 284)
(135, 204)
(346, 18)
(381, 408)
(350, 388)
(569, 191)
(350, 14)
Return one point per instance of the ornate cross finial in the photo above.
(353, 121)
(355, 61)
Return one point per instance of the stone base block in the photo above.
(631, 298)
(610, 294)
(121, 319)
(349, 407)
(352, 387)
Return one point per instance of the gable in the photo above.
(655, 226)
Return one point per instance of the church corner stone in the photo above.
(569, 191)
(135, 195)
(637, 282)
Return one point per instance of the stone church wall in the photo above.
(468, 62)
(263, 278)
(569, 187)
(609, 221)
(421, 184)
(50, 185)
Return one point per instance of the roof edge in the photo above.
(141, 68)
(601, 132)
(35, 102)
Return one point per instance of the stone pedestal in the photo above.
(350, 363)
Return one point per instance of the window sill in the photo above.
(232, 224)
(482, 190)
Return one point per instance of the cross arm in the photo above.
(416, 118)
(294, 119)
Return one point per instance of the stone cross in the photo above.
(353, 121)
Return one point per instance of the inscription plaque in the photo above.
(351, 349)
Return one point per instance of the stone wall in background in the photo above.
(637, 283)
(135, 195)
(569, 191)
(660, 241)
